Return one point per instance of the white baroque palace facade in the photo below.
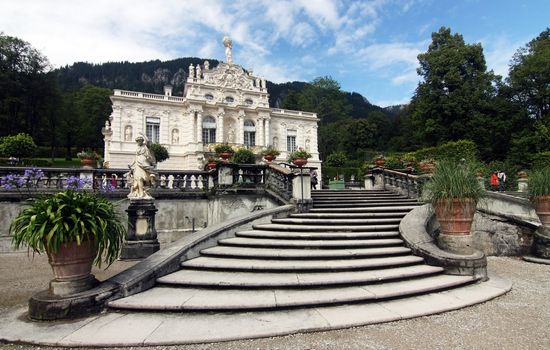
(224, 104)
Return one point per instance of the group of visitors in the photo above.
(498, 181)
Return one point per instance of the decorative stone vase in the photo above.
(212, 165)
(299, 162)
(87, 161)
(72, 266)
(225, 155)
(269, 158)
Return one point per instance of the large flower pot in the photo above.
(455, 217)
(380, 162)
(299, 162)
(225, 155)
(87, 161)
(542, 207)
(212, 165)
(72, 266)
(269, 158)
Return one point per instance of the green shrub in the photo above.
(336, 159)
(329, 173)
(541, 160)
(452, 150)
(299, 153)
(539, 182)
(160, 152)
(452, 180)
(20, 146)
(244, 156)
(223, 148)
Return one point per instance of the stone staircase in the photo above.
(347, 249)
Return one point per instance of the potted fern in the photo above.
(539, 191)
(270, 154)
(75, 229)
(454, 192)
(299, 157)
(224, 151)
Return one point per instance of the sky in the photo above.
(369, 47)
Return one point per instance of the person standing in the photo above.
(501, 180)
(494, 181)
(314, 180)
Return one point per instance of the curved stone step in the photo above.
(179, 299)
(344, 215)
(325, 228)
(307, 221)
(362, 200)
(226, 263)
(288, 253)
(300, 243)
(225, 279)
(355, 195)
(362, 204)
(366, 209)
(317, 235)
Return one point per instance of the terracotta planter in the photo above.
(86, 161)
(225, 155)
(427, 167)
(299, 162)
(455, 218)
(269, 158)
(380, 162)
(72, 261)
(542, 207)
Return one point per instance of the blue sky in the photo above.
(367, 46)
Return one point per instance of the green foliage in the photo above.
(270, 151)
(539, 182)
(244, 156)
(69, 216)
(336, 159)
(455, 92)
(88, 154)
(529, 76)
(453, 151)
(299, 153)
(451, 180)
(19, 146)
(541, 160)
(223, 148)
(160, 152)
(394, 162)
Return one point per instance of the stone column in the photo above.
(260, 122)
(219, 127)
(199, 127)
(240, 128)
(267, 132)
(141, 238)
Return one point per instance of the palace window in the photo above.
(249, 133)
(248, 101)
(229, 99)
(209, 97)
(152, 129)
(291, 140)
(208, 130)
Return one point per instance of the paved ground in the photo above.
(517, 320)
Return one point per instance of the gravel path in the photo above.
(517, 320)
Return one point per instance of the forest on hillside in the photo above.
(458, 98)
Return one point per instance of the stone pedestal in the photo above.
(141, 238)
(541, 242)
(522, 184)
(458, 244)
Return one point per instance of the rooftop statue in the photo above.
(228, 46)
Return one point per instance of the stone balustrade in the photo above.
(148, 96)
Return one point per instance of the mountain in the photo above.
(151, 76)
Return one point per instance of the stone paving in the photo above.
(517, 320)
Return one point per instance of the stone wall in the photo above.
(175, 217)
(497, 235)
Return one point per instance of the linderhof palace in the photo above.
(225, 104)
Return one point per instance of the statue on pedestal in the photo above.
(142, 175)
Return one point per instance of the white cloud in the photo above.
(382, 55)
(499, 52)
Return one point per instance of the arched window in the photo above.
(208, 130)
(249, 133)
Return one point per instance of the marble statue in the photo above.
(175, 136)
(142, 175)
(199, 72)
(128, 133)
(206, 65)
(191, 71)
(228, 46)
